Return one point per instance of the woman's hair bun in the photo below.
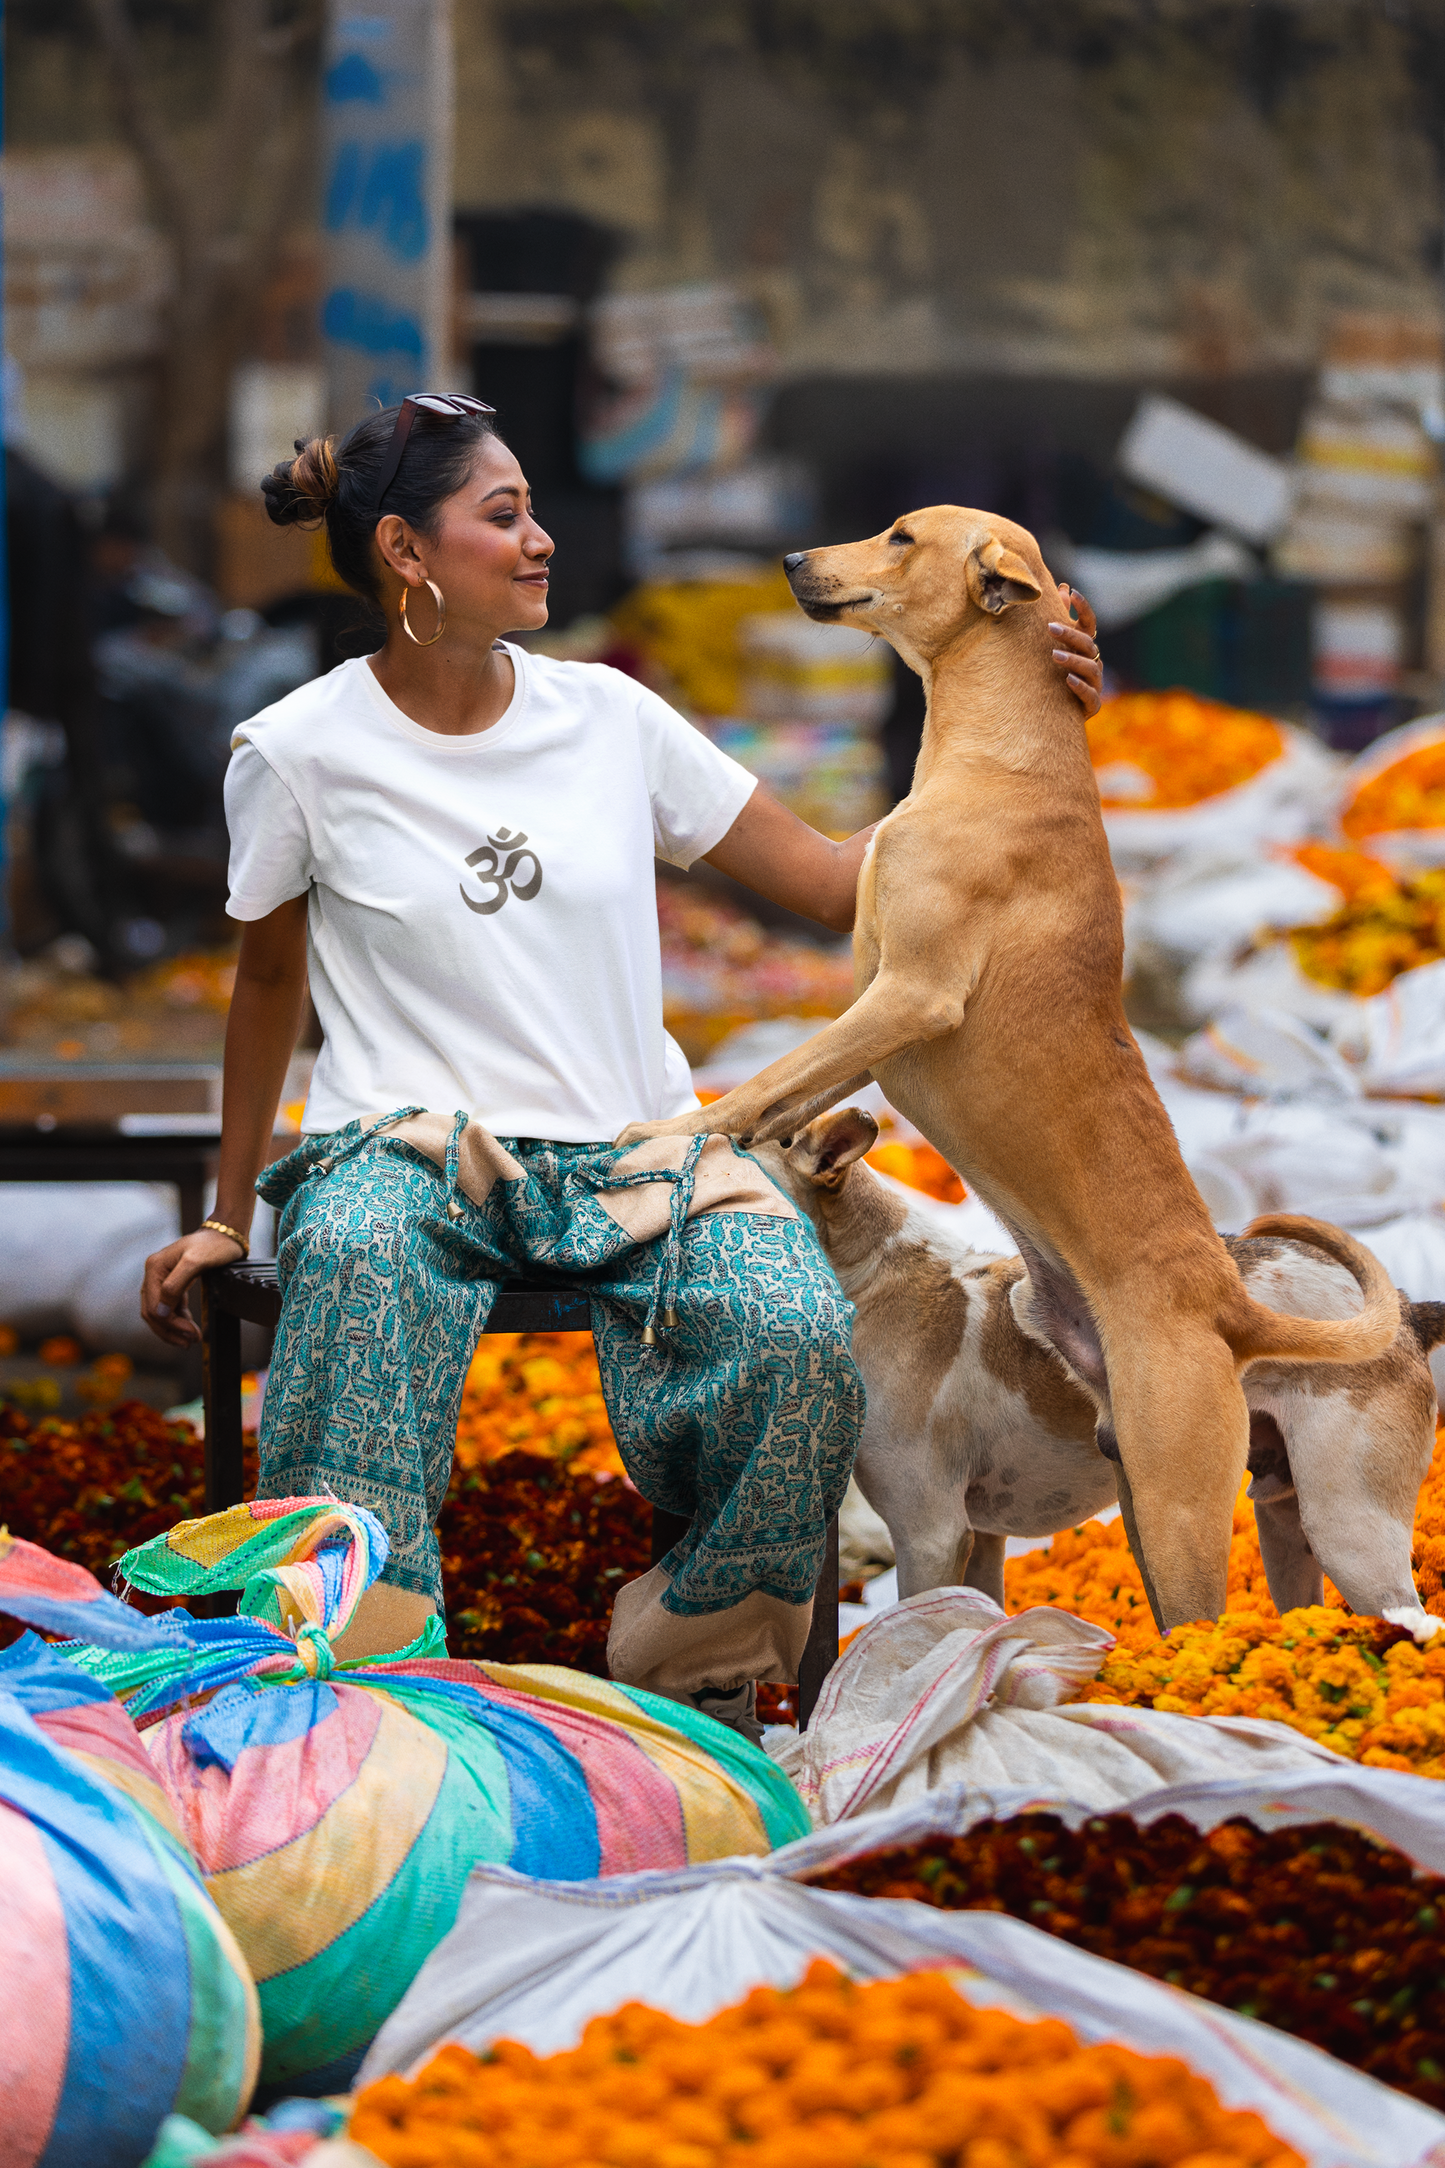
(301, 491)
(335, 486)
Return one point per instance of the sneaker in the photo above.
(737, 1709)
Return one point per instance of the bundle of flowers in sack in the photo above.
(947, 1689)
(1178, 771)
(337, 1804)
(1392, 798)
(1358, 1686)
(1166, 750)
(1385, 925)
(1320, 1930)
(123, 1995)
(721, 969)
(899, 2071)
(918, 1166)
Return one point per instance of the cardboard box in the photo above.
(1205, 469)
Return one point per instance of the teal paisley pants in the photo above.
(744, 1418)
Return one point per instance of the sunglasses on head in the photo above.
(444, 406)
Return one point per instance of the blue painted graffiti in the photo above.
(381, 190)
(353, 80)
(372, 323)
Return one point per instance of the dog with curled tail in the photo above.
(978, 1430)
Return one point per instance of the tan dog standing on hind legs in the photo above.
(988, 952)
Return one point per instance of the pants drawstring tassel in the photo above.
(454, 1146)
(664, 1295)
(670, 1264)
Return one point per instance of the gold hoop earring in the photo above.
(441, 602)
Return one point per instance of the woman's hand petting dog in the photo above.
(1077, 653)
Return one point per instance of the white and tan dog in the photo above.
(977, 1430)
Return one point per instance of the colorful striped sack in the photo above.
(338, 1808)
(123, 1996)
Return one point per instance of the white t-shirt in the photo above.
(482, 918)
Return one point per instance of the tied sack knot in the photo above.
(313, 1647)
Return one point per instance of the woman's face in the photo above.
(489, 555)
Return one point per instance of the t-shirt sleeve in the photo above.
(270, 849)
(697, 791)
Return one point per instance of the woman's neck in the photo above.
(458, 688)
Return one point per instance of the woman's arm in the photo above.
(771, 851)
(779, 856)
(260, 1034)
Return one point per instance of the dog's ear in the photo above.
(824, 1151)
(998, 578)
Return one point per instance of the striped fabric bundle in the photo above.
(337, 1808)
(123, 1996)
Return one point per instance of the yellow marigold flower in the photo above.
(1383, 926)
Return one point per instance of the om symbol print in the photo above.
(498, 872)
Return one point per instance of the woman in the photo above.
(454, 840)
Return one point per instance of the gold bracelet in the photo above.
(219, 1227)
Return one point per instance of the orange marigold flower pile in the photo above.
(1091, 1572)
(919, 1166)
(1152, 751)
(1357, 876)
(61, 1352)
(89, 1490)
(1410, 793)
(1383, 926)
(826, 2075)
(536, 1392)
(1355, 1684)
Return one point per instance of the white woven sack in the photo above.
(946, 1688)
(1405, 1811)
(1262, 978)
(1266, 1054)
(536, 1961)
(1284, 803)
(1395, 1041)
(1211, 903)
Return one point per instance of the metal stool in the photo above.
(249, 1291)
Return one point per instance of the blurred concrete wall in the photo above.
(1103, 188)
(1108, 190)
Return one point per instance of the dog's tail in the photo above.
(1257, 1334)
